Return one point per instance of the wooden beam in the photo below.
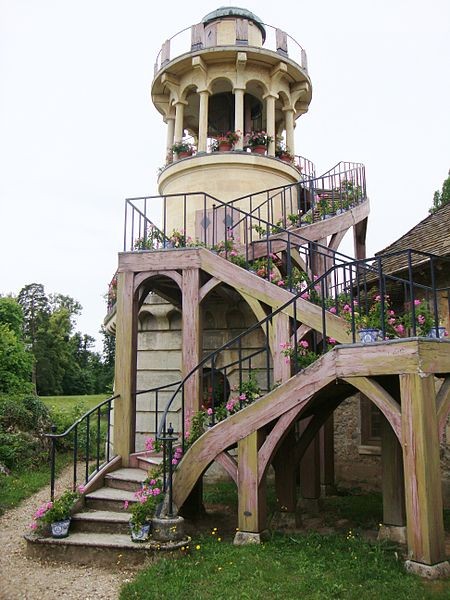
(423, 493)
(229, 464)
(381, 398)
(443, 405)
(286, 474)
(207, 287)
(142, 277)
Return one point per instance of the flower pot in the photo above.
(440, 333)
(225, 146)
(368, 335)
(60, 529)
(258, 149)
(184, 154)
(286, 158)
(141, 534)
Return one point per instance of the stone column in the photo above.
(270, 116)
(179, 120)
(203, 121)
(170, 135)
(289, 126)
(239, 115)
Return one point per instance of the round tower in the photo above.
(230, 73)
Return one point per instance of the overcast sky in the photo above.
(79, 134)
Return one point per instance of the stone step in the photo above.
(126, 479)
(146, 462)
(104, 549)
(100, 521)
(108, 498)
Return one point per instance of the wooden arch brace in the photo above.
(381, 398)
(443, 405)
(141, 278)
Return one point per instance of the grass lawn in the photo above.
(286, 567)
(22, 484)
(67, 403)
(290, 566)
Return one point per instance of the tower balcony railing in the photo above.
(305, 166)
(192, 39)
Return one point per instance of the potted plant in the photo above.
(226, 142)
(258, 141)
(424, 320)
(57, 514)
(183, 149)
(143, 510)
(282, 152)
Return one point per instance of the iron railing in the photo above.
(86, 438)
(404, 306)
(182, 43)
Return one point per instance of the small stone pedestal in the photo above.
(438, 571)
(168, 529)
(393, 533)
(244, 538)
(285, 521)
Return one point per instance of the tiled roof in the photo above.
(430, 235)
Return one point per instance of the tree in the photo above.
(11, 314)
(441, 198)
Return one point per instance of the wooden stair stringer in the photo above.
(294, 393)
(250, 284)
(313, 232)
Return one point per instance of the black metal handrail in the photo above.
(78, 431)
(355, 282)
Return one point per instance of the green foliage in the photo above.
(11, 314)
(15, 363)
(58, 510)
(441, 198)
(23, 482)
(23, 422)
(64, 362)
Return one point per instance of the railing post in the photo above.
(52, 465)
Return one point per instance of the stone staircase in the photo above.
(99, 532)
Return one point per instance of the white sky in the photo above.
(79, 134)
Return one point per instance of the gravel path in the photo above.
(23, 578)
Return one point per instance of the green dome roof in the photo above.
(234, 11)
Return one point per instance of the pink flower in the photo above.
(399, 328)
(243, 397)
(332, 310)
(305, 296)
(126, 504)
(174, 461)
(332, 340)
(417, 302)
(391, 321)
(210, 411)
(280, 283)
(156, 491)
(377, 298)
(347, 308)
(304, 344)
(152, 481)
(421, 319)
(81, 489)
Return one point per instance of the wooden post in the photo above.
(310, 471)
(286, 474)
(191, 346)
(392, 486)
(190, 357)
(285, 469)
(125, 368)
(423, 494)
(252, 497)
(326, 436)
